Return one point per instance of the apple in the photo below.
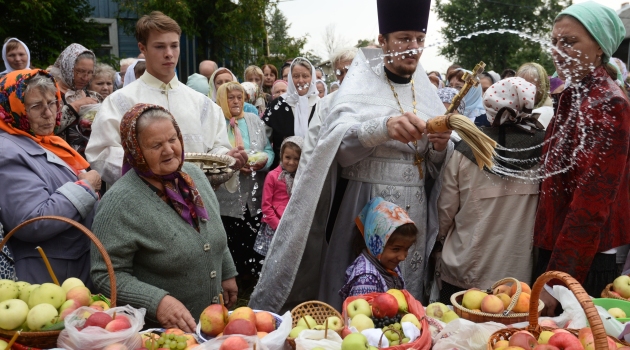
(3, 345)
(359, 306)
(565, 341)
(621, 285)
(25, 293)
(82, 295)
(548, 323)
(472, 299)
(296, 331)
(116, 346)
(39, 315)
(265, 322)
(120, 323)
(213, 319)
(99, 305)
(616, 312)
(21, 285)
(361, 322)
(436, 310)
(492, 304)
(234, 343)
(504, 288)
(243, 313)
(355, 341)
(545, 347)
(240, 326)
(524, 289)
(544, 336)
(585, 336)
(49, 293)
(501, 344)
(307, 322)
(334, 323)
(262, 334)
(523, 339)
(71, 283)
(13, 313)
(449, 316)
(8, 290)
(97, 319)
(522, 304)
(68, 307)
(384, 305)
(402, 301)
(413, 319)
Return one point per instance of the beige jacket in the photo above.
(486, 226)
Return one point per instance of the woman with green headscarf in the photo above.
(583, 208)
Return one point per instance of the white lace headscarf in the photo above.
(301, 104)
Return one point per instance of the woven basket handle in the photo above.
(516, 295)
(91, 236)
(599, 333)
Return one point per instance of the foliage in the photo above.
(282, 46)
(47, 27)
(498, 51)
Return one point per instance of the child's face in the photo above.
(395, 252)
(290, 160)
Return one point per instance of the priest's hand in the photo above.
(240, 155)
(406, 128)
(440, 140)
(230, 292)
(171, 313)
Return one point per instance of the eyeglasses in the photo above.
(81, 72)
(40, 108)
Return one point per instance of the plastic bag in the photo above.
(276, 339)
(464, 334)
(215, 343)
(97, 338)
(87, 113)
(309, 339)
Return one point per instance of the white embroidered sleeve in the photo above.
(373, 132)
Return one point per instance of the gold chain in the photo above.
(419, 158)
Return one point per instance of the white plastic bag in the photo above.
(97, 338)
(215, 343)
(276, 339)
(309, 339)
(463, 334)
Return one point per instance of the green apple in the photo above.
(307, 322)
(296, 331)
(334, 323)
(3, 344)
(413, 319)
(359, 307)
(361, 322)
(49, 293)
(40, 315)
(12, 313)
(402, 301)
(21, 285)
(71, 283)
(355, 341)
(372, 348)
(436, 310)
(25, 293)
(8, 290)
(449, 316)
(319, 327)
(544, 336)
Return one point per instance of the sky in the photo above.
(357, 19)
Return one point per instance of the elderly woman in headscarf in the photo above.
(584, 202)
(290, 114)
(220, 77)
(537, 75)
(42, 175)
(73, 71)
(161, 227)
(481, 211)
(15, 55)
(240, 211)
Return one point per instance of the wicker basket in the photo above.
(599, 334)
(47, 340)
(318, 310)
(507, 317)
(607, 293)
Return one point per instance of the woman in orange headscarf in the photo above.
(43, 175)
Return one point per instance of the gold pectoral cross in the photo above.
(418, 163)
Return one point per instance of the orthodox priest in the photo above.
(374, 143)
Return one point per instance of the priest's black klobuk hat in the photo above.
(401, 15)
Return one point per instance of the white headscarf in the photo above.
(4, 56)
(325, 86)
(301, 104)
(130, 75)
(213, 91)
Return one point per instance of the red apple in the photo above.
(384, 305)
(345, 331)
(548, 323)
(234, 343)
(98, 319)
(523, 339)
(120, 323)
(80, 294)
(213, 319)
(565, 341)
(175, 331)
(265, 322)
(545, 347)
(242, 313)
(241, 326)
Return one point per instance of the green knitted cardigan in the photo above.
(154, 252)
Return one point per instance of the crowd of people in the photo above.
(339, 188)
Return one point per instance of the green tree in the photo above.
(282, 46)
(47, 27)
(498, 50)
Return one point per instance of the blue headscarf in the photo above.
(473, 101)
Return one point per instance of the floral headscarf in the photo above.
(377, 221)
(447, 94)
(179, 187)
(15, 122)
(67, 60)
(511, 101)
(236, 139)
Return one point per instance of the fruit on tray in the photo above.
(234, 343)
(172, 338)
(402, 301)
(215, 322)
(265, 322)
(616, 312)
(214, 319)
(355, 341)
(359, 306)
(492, 304)
(621, 285)
(441, 312)
(384, 305)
